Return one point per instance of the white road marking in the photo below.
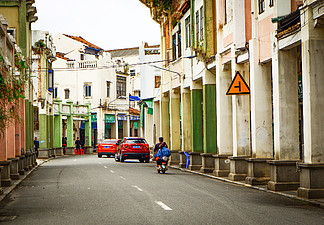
(89, 188)
(74, 160)
(122, 178)
(137, 188)
(105, 167)
(163, 206)
(112, 171)
(100, 163)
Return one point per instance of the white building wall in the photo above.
(148, 72)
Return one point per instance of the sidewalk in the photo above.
(15, 183)
(288, 194)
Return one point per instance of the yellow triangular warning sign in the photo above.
(238, 86)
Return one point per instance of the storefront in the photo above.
(109, 124)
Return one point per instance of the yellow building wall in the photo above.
(12, 16)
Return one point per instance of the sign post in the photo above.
(238, 86)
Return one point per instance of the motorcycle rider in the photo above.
(158, 145)
(163, 151)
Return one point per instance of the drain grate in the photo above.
(7, 218)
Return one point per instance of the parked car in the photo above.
(133, 148)
(107, 147)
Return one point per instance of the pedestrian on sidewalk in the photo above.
(78, 146)
(64, 143)
(36, 146)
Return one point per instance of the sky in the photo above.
(109, 24)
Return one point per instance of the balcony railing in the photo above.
(82, 64)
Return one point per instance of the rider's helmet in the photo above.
(161, 139)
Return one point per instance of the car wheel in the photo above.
(147, 160)
(141, 160)
(99, 155)
(121, 158)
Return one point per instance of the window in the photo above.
(174, 47)
(81, 57)
(197, 26)
(271, 3)
(157, 81)
(87, 90)
(132, 72)
(201, 23)
(108, 88)
(12, 31)
(55, 92)
(261, 6)
(67, 93)
(135, 141)
(225, 11)
(188, 34)
(179, 40)
(121, 86)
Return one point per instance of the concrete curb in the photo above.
(310, 201)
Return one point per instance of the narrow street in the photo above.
(91, 190)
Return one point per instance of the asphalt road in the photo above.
(91, 190)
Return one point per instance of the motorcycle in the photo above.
(164, 165)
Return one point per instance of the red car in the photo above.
(133, 148)
(107, 147)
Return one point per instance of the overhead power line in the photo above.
(112, 66)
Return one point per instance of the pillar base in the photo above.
(70, 151)
(5, 173)
(58, 151)
(52, 153)
(238, 168)
(14, 175)
(29, 161)
(87, 150)
(43, 153)
(21, 165)
(222, 167)
(182, 160)
(283, 175)
(175, 158)
(258, 171)
(208, 164)
(195, 161)
(311, 180)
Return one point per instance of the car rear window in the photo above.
(135, 141)
(109, 142)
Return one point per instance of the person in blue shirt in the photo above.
(36, 146)
(163, 151)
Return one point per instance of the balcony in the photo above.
(7, 44)
(82, 64)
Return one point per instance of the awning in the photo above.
(134, 98)
(149, 104)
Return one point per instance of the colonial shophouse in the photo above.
(272, 133)
(16, 141)
(43, 77)
(96, 84)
